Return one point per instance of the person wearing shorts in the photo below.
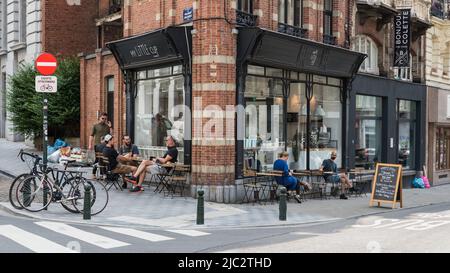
(328, 165)
(113, 157)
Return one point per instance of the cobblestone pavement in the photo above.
(4, 188)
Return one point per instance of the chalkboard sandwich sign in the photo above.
(387, 185)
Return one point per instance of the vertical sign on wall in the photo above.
(402, 38)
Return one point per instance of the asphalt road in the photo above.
(422, 229)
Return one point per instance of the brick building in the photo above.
(389, 102)
(30, 27)
(253, 78)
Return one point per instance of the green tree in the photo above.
(25, 104)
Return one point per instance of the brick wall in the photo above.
(94, 69)
(68, 30)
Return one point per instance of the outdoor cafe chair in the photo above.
(111, 178)
(178, 179)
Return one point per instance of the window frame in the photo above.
(371, 50)
(328, 13)
(297, 16)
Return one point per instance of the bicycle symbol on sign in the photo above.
(46, 87)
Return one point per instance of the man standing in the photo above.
(128, 148)
(102, 128)
(333, 176)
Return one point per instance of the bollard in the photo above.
(87, 202)
(283, 204)
(200, 208)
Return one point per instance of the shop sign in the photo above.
(188, 14)
(402, 38)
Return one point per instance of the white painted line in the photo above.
(46, 64)
(31, 241)
(91, 238)
(138, 234)
(189, 232)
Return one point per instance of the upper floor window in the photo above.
(4, 30)
(291, 12)
(364, 44)
(115, 6)
(328, 22)
(23, 21)
(245, 6)
(244, 13)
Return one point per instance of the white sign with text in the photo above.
(46, 84)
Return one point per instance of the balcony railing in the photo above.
(440, 9)
(292, 30)
(328, 39)
(245, 19)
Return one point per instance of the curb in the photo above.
(7, 174)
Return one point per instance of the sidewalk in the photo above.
(149, 209)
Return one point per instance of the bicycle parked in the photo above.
(35, 191)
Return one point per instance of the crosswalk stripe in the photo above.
(31, 241)
(189, 232)
(138, 234)
(91, 238)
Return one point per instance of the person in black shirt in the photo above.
(329, 165)
(152, 166)
(114, 157)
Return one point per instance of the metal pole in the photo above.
(87, 202)
(45, 136)
(201, 208)
(45, 131)
(283, 204)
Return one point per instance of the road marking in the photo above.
(31, 241)
(91, 238)
(189, 232)
(138, 234)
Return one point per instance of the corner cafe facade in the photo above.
(295, 93)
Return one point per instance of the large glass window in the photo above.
(158, 109)
(326, 125)
(368, 132)
(296, 126)
(406, 111)
(263, 122)
(442, 148)
(110, 98)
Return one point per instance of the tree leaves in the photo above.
(25, 104)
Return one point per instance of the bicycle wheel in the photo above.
(99, 196)
(33, 195)
(66, 200)
(13, 189)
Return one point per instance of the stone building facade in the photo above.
(30, 27)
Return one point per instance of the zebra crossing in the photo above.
(35, 238)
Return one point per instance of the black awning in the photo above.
(153, 48)
(266, 47)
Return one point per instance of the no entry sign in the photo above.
(46, 64)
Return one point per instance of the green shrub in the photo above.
(25, 104)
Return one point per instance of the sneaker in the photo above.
(343, 197)
(298, 198)
(132, 180)
(137, 189)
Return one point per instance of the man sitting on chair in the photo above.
(329, 165)
(287, 180)
(114, 158)
(153, 166)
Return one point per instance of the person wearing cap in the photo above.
(114, 157)
(328, 165)
(287, 180)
